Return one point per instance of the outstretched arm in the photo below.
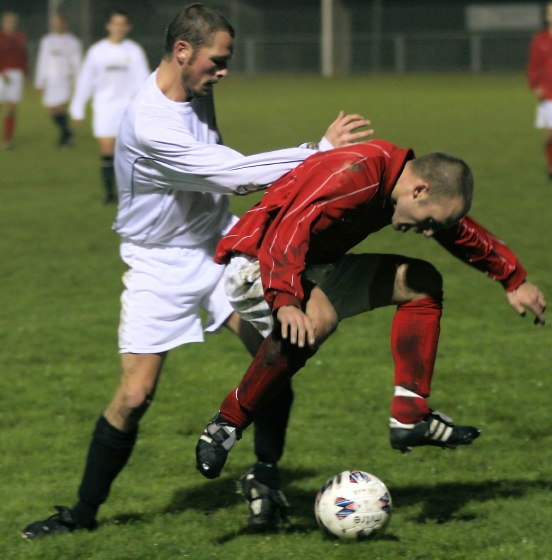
(476, 246)
(528, 296)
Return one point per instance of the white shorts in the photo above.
(106, 119)
(544, 115)
(56, 92)
(11, 89)
(346, 282)
(165, 290)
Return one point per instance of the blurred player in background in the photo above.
(58, 63)
(113, 71)
(539, 73)
(14, 68)
(173, 178)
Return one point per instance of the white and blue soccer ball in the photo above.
(353, 505)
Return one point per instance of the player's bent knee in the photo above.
(134, 402)
(326, 325)
(422, 278)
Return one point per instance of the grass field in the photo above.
(60, 288)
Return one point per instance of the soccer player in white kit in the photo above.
(58, 63)
(173, 177)
(113, 71)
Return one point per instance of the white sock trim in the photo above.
(402, 392)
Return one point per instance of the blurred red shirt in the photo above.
(13, 52)
(539, 65)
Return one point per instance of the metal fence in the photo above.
(397, 52)
(284, 37)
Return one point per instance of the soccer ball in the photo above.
(353, 505)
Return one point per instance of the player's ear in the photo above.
(421, 190)
(182, 51)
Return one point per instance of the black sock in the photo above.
(108, 175)
(62, 121)
(267, 474)
(271, 424)
(108, 453)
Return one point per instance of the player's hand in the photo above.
(297, 327)
(344, 130)
(528, 296)
(77, 122)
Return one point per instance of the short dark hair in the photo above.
(447, 175)
(196, 24)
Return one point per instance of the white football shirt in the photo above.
(59, 58)
(172, 175)
(112, 73)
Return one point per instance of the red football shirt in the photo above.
(331, 202)
(539, 65)
(13, 52)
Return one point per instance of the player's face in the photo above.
(58, 24)
(205, 67)
(118, 27)
(9, 23)
(417, 210)
(418, 213)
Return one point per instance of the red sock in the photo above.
(548, 152)
(9, 127)
(275, 363)
(414, 338)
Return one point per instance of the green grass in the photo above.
(60, 292)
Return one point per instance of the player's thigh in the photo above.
(357, 283)
(165, 288)
(321, 311)
(347, 282)
(141, 371)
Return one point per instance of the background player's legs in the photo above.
(61, 119)
(9, 124)
(548, 151)
(544, 121)
(115, 433)
(107, 152)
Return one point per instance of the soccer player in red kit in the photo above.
(14, 67)
(539, 74)
(292, 248)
